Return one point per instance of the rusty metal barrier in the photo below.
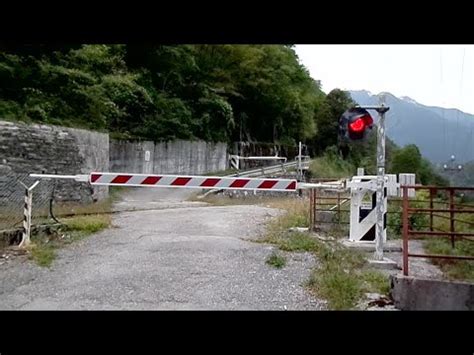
(452, 209)
(319, 202)
(323, 201)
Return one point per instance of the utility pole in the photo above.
(451, 167)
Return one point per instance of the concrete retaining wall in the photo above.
(176, 157)
(413, 294)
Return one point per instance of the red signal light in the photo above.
(368, 120)
(354, 122)
(358, 125)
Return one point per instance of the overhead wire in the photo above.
(460, 89)
(445, 139)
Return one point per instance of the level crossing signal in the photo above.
(354, 124)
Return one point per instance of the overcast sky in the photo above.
(435, 75)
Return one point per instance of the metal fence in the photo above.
(447, 208)
(333, 208)
(439, 212)
(12, 200)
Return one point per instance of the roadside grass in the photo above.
(43, 247)
(77, 221)
(43, 254)
(327, 166)
(276, 260)
(452, 269)
(342, 276)
(462, 270)
(375, 281)
(104, 206)
(85, 225)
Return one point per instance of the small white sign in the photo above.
(147, 155)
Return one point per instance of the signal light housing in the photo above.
(353, 123)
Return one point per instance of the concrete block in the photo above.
(385, 264)
(411, 293)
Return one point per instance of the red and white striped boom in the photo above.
(192, 182)
(203, 182)
(200, 182)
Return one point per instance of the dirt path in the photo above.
(180, 255)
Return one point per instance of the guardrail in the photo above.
(266, 170)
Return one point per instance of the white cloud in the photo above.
(437, 75)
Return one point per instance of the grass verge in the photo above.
(103, 206)
(453, 269)
(276, 260)
(43, 247)
(328, 166)
(342, 276)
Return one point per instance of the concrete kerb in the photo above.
(368, 246)
(385, 263)
(410, 293)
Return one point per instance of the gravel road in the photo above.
(178, 255)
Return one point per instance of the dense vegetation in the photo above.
(258, 93)
(215, 93)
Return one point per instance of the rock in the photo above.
(298, 229)
(326, 238)
(373, 296)
(381, 302)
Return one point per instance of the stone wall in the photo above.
(34, 148)
(46, 149)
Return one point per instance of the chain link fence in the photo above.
(12, 200)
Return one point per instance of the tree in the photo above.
(327, 118)
(406, 160)
(409, 160)
(210, 92)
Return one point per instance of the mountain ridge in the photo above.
(438, 132)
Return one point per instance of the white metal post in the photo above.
(300, 171)
(380, 208)
(380, 205)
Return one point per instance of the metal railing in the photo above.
(327, 202)
(265, 170)
(433, 211)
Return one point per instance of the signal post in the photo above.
(353, 125)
